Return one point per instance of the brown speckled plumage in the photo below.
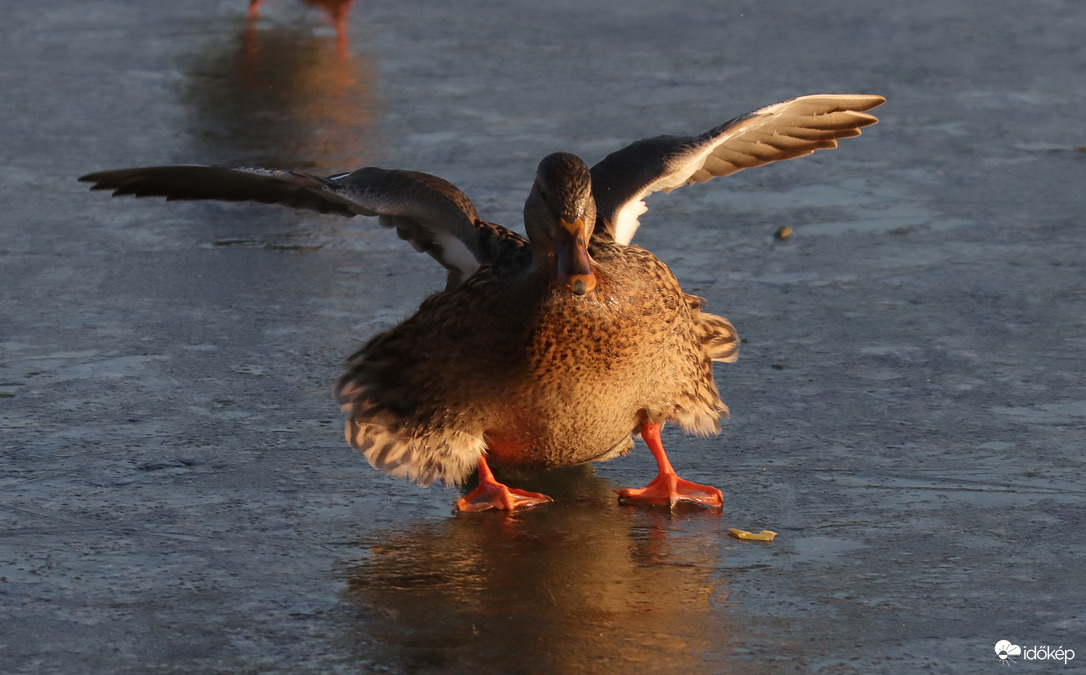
(534, 375)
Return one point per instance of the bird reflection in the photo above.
(583, 585)
(282, 95)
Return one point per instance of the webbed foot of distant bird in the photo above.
(667, 489)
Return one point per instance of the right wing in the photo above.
(429, 212)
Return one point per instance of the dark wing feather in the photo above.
(240, 184)
(781, 131)
(430, 213)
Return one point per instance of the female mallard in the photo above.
(547, 351)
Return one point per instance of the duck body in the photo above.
(556, 380)
(548, 350)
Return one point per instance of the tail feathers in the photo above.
(425, 458)
(719, 338)
(700, 412)
(716, 334)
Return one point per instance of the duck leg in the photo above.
(494, 495)
(667, 488)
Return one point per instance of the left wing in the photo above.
(622, 180)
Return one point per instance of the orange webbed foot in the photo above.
(494, 495)
(667, 489)
(500, 497)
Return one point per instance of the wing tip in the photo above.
(98, 179)
(858, 102)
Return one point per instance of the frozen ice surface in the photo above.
(908, 409)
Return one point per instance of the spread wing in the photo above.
(794, 128)
(429, 212)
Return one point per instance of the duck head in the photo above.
(559, 216)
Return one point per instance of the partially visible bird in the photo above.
(336, 10)
(543, 351)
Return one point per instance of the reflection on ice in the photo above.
(281, 95)
(579, 585)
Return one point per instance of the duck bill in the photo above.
(574, 266)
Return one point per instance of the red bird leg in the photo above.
(493, 495)
(667, 488)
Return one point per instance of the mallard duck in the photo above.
(546, 351)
